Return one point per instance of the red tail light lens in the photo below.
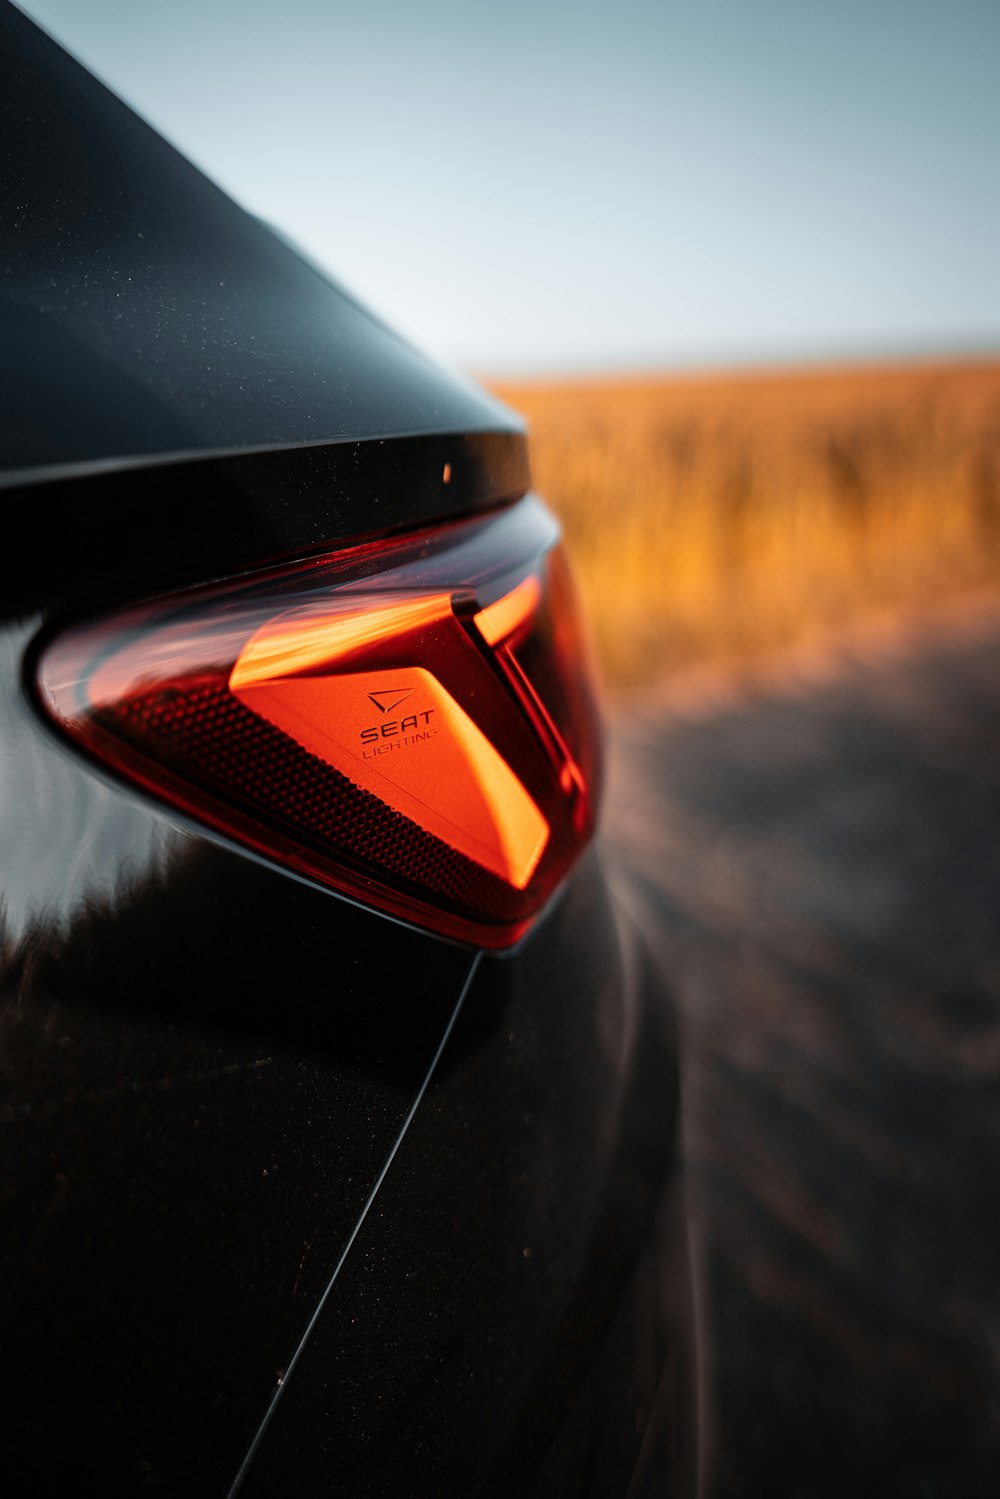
(409, 722)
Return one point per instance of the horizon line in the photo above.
(709, 367)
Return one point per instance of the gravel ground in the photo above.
(818, 857)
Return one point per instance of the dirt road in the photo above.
(820, 860)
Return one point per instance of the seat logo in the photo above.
(386, 701)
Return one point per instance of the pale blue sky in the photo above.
(547, 187)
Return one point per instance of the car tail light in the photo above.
(408, 722)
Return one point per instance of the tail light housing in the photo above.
(409, 722)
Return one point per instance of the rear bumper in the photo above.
(517, 1314)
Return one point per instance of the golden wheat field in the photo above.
(712, 519)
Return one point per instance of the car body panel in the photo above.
(147, 314)
(193, 397)
(517, 1307)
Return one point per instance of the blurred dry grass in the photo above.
(714, 519)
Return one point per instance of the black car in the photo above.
(340, 1103)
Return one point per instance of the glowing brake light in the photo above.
(408, 722)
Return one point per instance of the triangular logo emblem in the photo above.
(386, 701)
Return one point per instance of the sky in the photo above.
(546, 188)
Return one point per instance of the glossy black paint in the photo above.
(86, 541)
(144, 314)
(516, 1319)
(190, 394)
(203, 1062)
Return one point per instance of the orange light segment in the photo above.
(309, 637)
(500, 619)
(400, 735)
